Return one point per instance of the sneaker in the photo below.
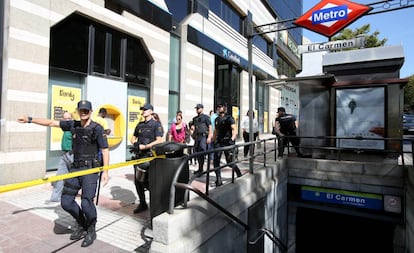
(141, 208)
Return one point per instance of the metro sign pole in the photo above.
(330, 16)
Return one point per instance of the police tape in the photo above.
(16, 186)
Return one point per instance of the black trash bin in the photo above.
(161, 173)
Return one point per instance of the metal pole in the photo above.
(250, 53)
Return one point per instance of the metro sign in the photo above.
(330, 16)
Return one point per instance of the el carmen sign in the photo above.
(330, 16)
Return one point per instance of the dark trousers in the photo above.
(199, 146)
(140, 186)
(86, 212)
(229, 158)
(283, 142)
(246, 137)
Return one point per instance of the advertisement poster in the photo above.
(64, 99)
(289, 99)
(134, 114)
(235, 114)
(360, 113)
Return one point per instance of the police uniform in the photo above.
(86, 142)
(223, 138)
(145, 132)
(287, 127)
(202, 125)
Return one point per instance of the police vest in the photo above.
(201, 124)
(287, 124)
(223, 127)
(84, 141)
(146, 132)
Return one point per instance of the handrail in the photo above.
(212, 202)
(274, 149)
(273, 237)
(264, 231)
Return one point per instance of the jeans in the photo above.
(62, 169)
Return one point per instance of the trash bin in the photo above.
(161, 173)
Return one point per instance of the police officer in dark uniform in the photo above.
(88, 138)
(285, 124)
(225, 134)
(147, 134)
(202, 133)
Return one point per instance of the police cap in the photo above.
(85, 104)
(147, 107)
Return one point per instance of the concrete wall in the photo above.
(202, 228)
(409, 220)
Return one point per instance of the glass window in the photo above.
(227, 13)
(99, 51)
(69, 42)
(174, 95)
(137, 64)
(115, 55)
(178, 8)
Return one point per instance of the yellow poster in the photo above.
(266, 122)
(64, 99)
(134, 113)
(235, 114)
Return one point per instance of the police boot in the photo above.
(79, 229)
(218, 181)
(89, 237)
(238, 172)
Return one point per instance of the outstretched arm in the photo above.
(38, 121)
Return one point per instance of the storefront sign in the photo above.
(330, 16)
(341, 197)
(333, 45)
(230, 56)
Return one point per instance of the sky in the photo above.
(396, 26)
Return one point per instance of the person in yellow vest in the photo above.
(100, 119)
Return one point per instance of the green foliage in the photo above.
(409, 95)
(370, 41)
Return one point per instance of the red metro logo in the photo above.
(330, 16)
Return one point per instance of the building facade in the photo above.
(120, 54)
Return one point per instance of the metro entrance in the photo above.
(322, 231)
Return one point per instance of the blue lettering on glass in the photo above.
(330, 14)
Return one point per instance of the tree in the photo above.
(371, 40)
(409, 95)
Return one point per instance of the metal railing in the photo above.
(333, 145)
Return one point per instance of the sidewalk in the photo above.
(30, 225)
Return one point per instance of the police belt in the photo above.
(202, 134)
(82, 163)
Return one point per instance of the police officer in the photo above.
(225, 134)
(147, 134)
(285, 124)
(88, 138)
(202, 133)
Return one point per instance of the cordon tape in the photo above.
(16, 186)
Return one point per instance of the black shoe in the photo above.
(198, 172)
(77, 233)
(141, 208)
(219, 183)
(90, 237)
